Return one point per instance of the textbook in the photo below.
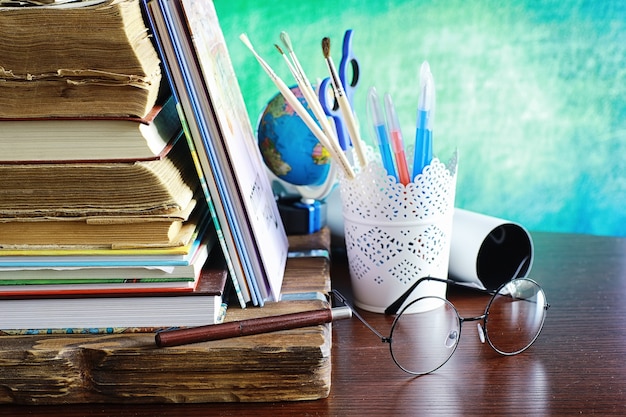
(116, 311)
(85, 139)
(93, 57)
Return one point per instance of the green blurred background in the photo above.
(532, 92)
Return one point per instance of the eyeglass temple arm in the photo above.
(395, 306)
(356, 314)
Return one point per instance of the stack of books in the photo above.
(103, 223)
(129, 369)
(96, 173)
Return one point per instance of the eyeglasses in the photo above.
(426, 332)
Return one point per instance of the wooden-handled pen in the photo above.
(251, 326)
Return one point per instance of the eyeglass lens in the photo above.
(515, 316)
(426, 333)
(423, 341)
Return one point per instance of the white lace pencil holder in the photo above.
(397, 234)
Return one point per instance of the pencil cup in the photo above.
(488, 251)
(397, 234)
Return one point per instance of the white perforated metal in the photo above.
(396, 234)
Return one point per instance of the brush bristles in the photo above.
(244, 38)
(286, 41)
(326, 47)
(279, 49)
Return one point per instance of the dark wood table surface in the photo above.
(576, 367)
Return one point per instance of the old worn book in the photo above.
(100, 188)
(90, 57)
(172, 229)
(57, 139)
(129, 368)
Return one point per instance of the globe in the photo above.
(289, 148)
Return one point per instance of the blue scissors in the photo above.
(331, 108)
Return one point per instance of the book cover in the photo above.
(256, 202)
(226, 137)
(209, 183)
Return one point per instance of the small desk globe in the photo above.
(289, 148)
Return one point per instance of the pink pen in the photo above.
(395, 134)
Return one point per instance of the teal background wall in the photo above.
(532, 92)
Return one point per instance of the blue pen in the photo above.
(425, 113)
(428, 148)
(380, 131)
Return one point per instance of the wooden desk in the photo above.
(576, 367)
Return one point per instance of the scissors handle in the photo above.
(348, 65)
(331, 108)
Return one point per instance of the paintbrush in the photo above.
(307, 91)
(344, 104)
(293, 101)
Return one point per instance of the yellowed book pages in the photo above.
(92, 189)
(65, 68)
(97, 231)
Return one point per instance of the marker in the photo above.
(380, 131)
(395, 133)
(425, 118)
(250, 327)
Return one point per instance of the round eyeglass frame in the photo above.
(483, 317)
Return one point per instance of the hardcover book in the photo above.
(172, 229)
(110, 310)
(90, 139)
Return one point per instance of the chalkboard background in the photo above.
(532, 92)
